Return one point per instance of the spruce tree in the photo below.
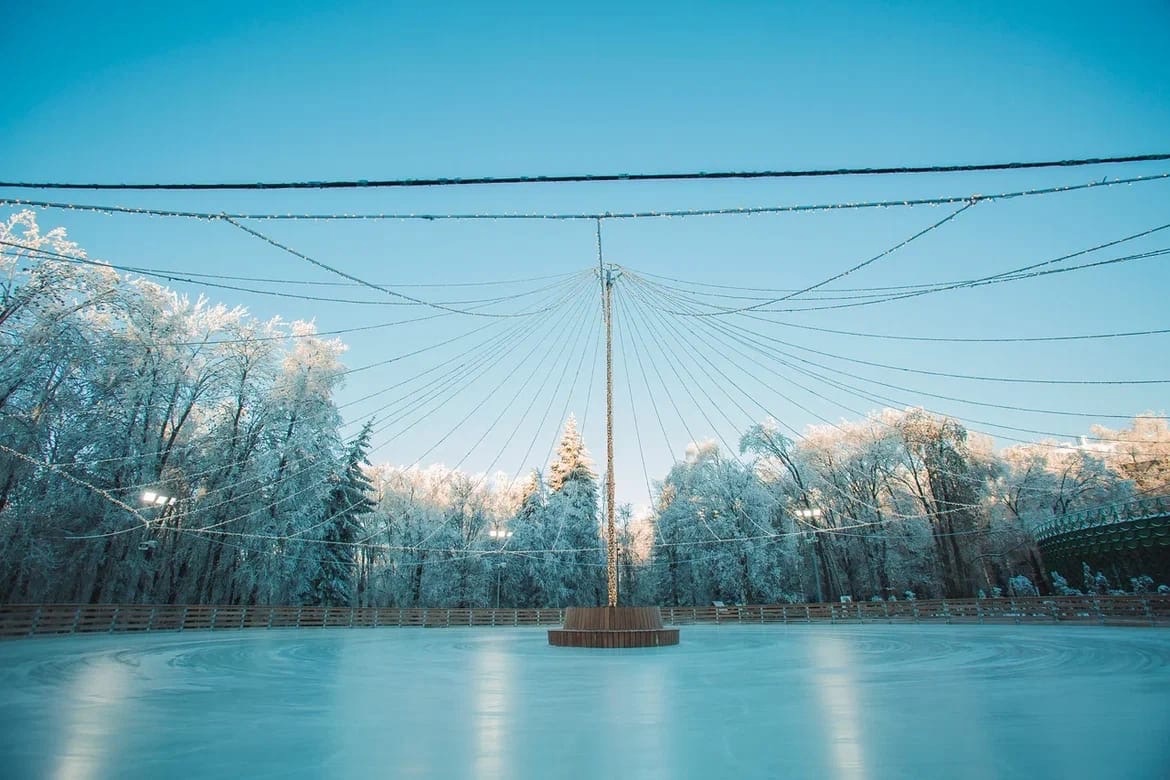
(347, 502)
(572, 516)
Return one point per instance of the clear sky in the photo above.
(217, 91)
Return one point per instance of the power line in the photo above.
(977, 340)
(589, 215)
(1016, 274)
(202, 281)
(771, 352)
(340, 184)
(359, 280)
(1018, 380)
(857, 267)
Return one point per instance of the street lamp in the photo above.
(500, 566)
(502, 535)
(155, 498)
(161, 501)
(814, 513)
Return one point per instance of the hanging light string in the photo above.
(603, 177)
(585, 215)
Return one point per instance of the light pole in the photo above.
(161, 501)
(814, 513)
(501, 535)
(500, 566)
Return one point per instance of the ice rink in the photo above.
(861, 701)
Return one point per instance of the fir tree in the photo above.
(572, 461)
(348, 501)
(572, 516)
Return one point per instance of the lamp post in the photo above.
(161, 501)
(502, 535)
(814, 513)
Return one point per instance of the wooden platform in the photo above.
(613, 627)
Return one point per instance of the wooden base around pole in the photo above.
(613, 627)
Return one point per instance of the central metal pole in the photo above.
(610, 530)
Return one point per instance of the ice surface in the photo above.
(729, 702)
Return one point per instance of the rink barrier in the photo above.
(17, 620)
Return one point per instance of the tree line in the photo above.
(159, 449)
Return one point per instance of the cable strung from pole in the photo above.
(726, 329)
(592, 330)
(718, 326)
(588, 215)
(685, 348)
(979, 378)
(359, 280)
(461, 380)
(556, 356)
(420, 351)
(202, 281)
(634, 412)
(477, 349)
(722, 327)
(477, 407)
(204, 443)
(858, 267)
(972, 339)
(877, 398)
(1016, 274)
(264, 485)
(795, 173)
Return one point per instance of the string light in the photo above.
(591, 215)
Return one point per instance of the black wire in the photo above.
(646, 382)
(359, 280)
(857, 267)
(552, 342)
(568, 396)
(507, 377)
(591, 216)
(721, 328)
(795, 432)
(877, 398)
(1015, 380)
(874, 398)
(42, 254)
(620, 327)
(656, 335)
(457, 379)
(973, 340)
(606, 177)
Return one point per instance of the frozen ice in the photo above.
(863, 701)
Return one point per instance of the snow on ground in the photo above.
(729, 702)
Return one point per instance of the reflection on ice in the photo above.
(746, 702)
(92, 720)
(836, 691)
(492, 709)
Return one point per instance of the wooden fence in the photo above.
(18, 620)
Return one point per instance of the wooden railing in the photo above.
(17, 620)
(1111, 610)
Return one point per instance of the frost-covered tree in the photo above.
(349, 501)
(1140, 453)
(572, 519)
(718, 534)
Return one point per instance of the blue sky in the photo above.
(143, 92)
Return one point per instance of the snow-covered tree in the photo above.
(348, 502)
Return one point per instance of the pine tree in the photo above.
(572, 517)
(572, 461)
(536, 578)
(347, 502)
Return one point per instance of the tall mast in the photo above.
(607, 278)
